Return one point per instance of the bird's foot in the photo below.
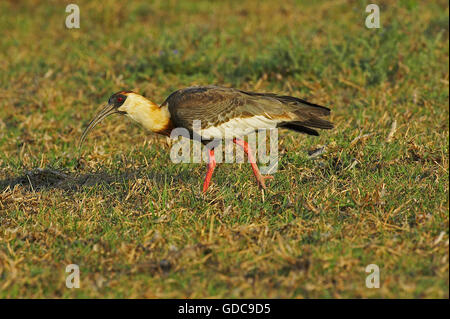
(205, 186)
(261, 179)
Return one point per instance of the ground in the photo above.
(137, 224)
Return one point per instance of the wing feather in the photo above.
(218, 108)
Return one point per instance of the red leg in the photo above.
(260, 178)
(211, 166)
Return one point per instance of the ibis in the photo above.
(218, 109)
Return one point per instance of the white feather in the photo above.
(239, 127)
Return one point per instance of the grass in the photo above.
(138, 226)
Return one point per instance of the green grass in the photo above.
(138, 225)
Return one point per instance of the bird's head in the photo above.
(135, 106)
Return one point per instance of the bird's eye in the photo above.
(119, 99)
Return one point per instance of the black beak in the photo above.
(107, 111)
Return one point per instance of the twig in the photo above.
(356, 139)
(317, 152)
(392, 132)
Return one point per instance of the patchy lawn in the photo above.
(138, 226)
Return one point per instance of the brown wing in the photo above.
(217, 105)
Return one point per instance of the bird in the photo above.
(219, 109)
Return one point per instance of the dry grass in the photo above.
(138, 226)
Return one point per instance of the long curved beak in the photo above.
(105, 112)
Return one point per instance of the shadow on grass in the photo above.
(39, 179)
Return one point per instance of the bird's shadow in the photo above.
(40, 179)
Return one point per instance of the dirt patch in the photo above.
(38, 179)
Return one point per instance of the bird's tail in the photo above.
(309, 116)
(306, 126)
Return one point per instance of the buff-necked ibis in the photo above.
(218, 109)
